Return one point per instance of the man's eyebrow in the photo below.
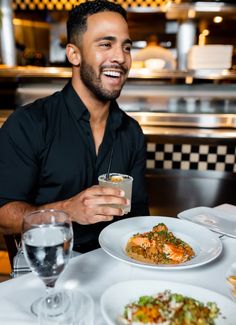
(128, 41)
(112, 38)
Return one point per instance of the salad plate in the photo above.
(115, 298)
(206, 245)
(216, 219)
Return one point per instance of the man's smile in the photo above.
(112, 73)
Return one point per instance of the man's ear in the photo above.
(73, 54)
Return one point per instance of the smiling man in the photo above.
(100, 56)
(53, 150)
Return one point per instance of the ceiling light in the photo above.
(217, 19)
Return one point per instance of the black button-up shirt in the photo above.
(47, 154)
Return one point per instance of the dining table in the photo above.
(94, 272)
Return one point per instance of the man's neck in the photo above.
(98, 110)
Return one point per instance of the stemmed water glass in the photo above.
(47, 239)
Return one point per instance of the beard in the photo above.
(94, 84)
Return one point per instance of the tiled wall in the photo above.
(192, 157)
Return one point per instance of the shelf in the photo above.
(145, 73)
(135, 74)
(204, 121)
(33, 71)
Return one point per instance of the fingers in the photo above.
(100, 218)
(95, 218)
(92, 202)
(100, 214)
(98, 196)
(99, 190)
(97, 204)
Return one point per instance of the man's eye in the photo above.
(105, 45)
(127, 48)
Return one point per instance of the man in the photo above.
(53, 150)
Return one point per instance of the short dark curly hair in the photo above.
(77, 19)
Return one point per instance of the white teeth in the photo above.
(112, 73)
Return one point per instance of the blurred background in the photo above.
(40, 32)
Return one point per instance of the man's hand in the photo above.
(89, 206)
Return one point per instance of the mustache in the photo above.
(116, 67)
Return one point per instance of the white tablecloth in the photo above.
(94, 272)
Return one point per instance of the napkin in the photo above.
(221, 219)
(226, 208)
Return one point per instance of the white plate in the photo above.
(216, 220)
(206, 245)
(117, 296)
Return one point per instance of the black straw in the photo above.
(109, 165)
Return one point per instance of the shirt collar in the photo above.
(74, 103)
(79, 110)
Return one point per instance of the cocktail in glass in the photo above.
(121, 181)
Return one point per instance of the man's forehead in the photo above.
(112, 16)
(108, 24)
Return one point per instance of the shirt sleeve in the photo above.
(18, 162)
(139, 203)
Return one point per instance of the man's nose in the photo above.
(118, 55)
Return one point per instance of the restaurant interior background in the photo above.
(188, 115)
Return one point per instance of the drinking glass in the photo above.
(79, 312)
(47, 239)
(122, 181)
